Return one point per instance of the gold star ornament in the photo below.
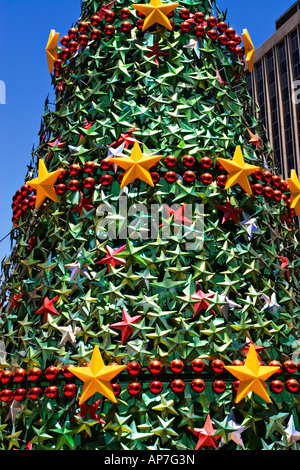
(249, 49)
(44, 184)
(156, 12)
(238, 171)
(252, 376)
(136, 166)
(51, 49)
(294, 186)
(96, 377)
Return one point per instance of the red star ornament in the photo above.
(101, 13)
(110, 259)
(85, 203)
(47, 307)
(178, 216)
(125, 325)
(205, 435)
(203, 303)
(258, 349)
(254, 138)
(285, 266)
(125, 137)
(156, 53)
(230, 212)
(14, 302)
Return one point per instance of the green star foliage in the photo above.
(108, 92)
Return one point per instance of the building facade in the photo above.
(275, 86)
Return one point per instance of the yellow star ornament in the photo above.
(96, 377)
(44, 184)
(238, 171)
(252, 376)
(51, 49)
(294, 186)
(136, 166)
(249, 49)
(156, 12)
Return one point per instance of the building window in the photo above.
(273, 107)
(295, 59)
(261, 96)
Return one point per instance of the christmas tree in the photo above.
(151, 299)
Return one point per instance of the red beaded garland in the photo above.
(217, 366)
(155, 367)
(134, 368)
(207, 178)
(188, 160)
(276, 386)
(176, 366)
(219, 386)
(116, 389)
(35, 393)
(6, 377)
(134, 388)
(189, 177)
(51, 373)
(197, 365)
(106, 180)
(70, 390)
(171, 177)
(177, 386)
(290, 367)
(292, 385)
(170, 161)
(6, 395)
(74, 185)
(20, 394)
(34, 374)
(20, 375)
(198, 385)
(52, 392)
(156, 387)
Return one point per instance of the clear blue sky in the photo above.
(24, 30)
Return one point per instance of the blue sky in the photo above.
(24, 30)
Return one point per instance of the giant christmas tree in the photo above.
(151, 299)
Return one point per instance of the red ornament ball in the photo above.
(74, 185)
(283, 186)
(211, 22)
(155, 367)
(139, 24)
(109, 16)
(235, 385)
(198, 385)
(52, 392)
(125, 26)
(20, 375)
(170, 161)
(73, 33)
(156, 387)
(267, 177)
(221, 181)
(83, 40)
(176, 366)
(35, 393)
(212, 34)
(231, 46)
(237, 362)
(257, 189)
(74, 169)
(106, 180)
(177, 386)
(230, 32)
(185, 27)
(199, 17)
(89, 167)
(188, 160)
(61, 189)
(207, 178)
(95, 34)
(6, 377)
(155, 176)
(222, 26)
(171, 177)
(134, 388)
(70, 390)
(67, 373)
(106, 164)
(237, 39)
(134, 368)
(268, 192)
(20, 394)
(125, 13)
(73, 47)
(34, 374)
(223, 40)
(6, 395)
(116, 389)
(184, 13)
(276, 386)
(277, 195)
(217, 366)
(109, 30)
(189, 177)
(206, 163)
(65, 41)
(219, 386)
(89, 183)
(83, 27)
(199, 31)
(290, 367)
(25, 190)
(95, 21)
(257, 175)
(51, 373)
(197, 365)
(292, 385)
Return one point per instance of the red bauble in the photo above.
(219, 386)
(184, 13)
(61, 189)
(109, 16)
(155, 367)
(95, 21)
(206, 163)
(267, 176)
(120, 177)
(52, 392)
(207, 178)
(199, 17)
(20, 394)
(237, 362)
(185, 27)
(73, 47)
(106, 180)
(177, 386)
(20, 375)
(212, 34)
(74, 185)
(285, 198)
(237, 39)
(170, 161)
(35, 393)
(89, 167)
(188, 160)
(106, 164)
(222, 26)
(231, 46)
(89, 183)
(65, 41)
(73, 33)
(211, 22)
(276, 386)
(63, 175)
(289, 367)
(125, 13)
(95, 34)
(66, 372)
(268, 192)
(6, 395)
(276, 180)
(197, 365)
(199, 31)
(83, 27)
(156, 387)
(230, 32)
(176, 366)
(198, 385)
(109, 30)
(235, 385)
(134, 368)
(277, 195)
(223, 40)
(70, 390)
(257, 188)
(134, 388)
(74, 169)
(66, 54)
(155, 177)
(292, 385)
(6, 377)
(116, 389)
(25, 190)
(34, 374)
(51, 373)
(139, 24)
(221, 181)
(25, 205)
(125, 26)
(83, 40)
(170, 177)
(283, 186)
(217, 366)
(189, 177)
